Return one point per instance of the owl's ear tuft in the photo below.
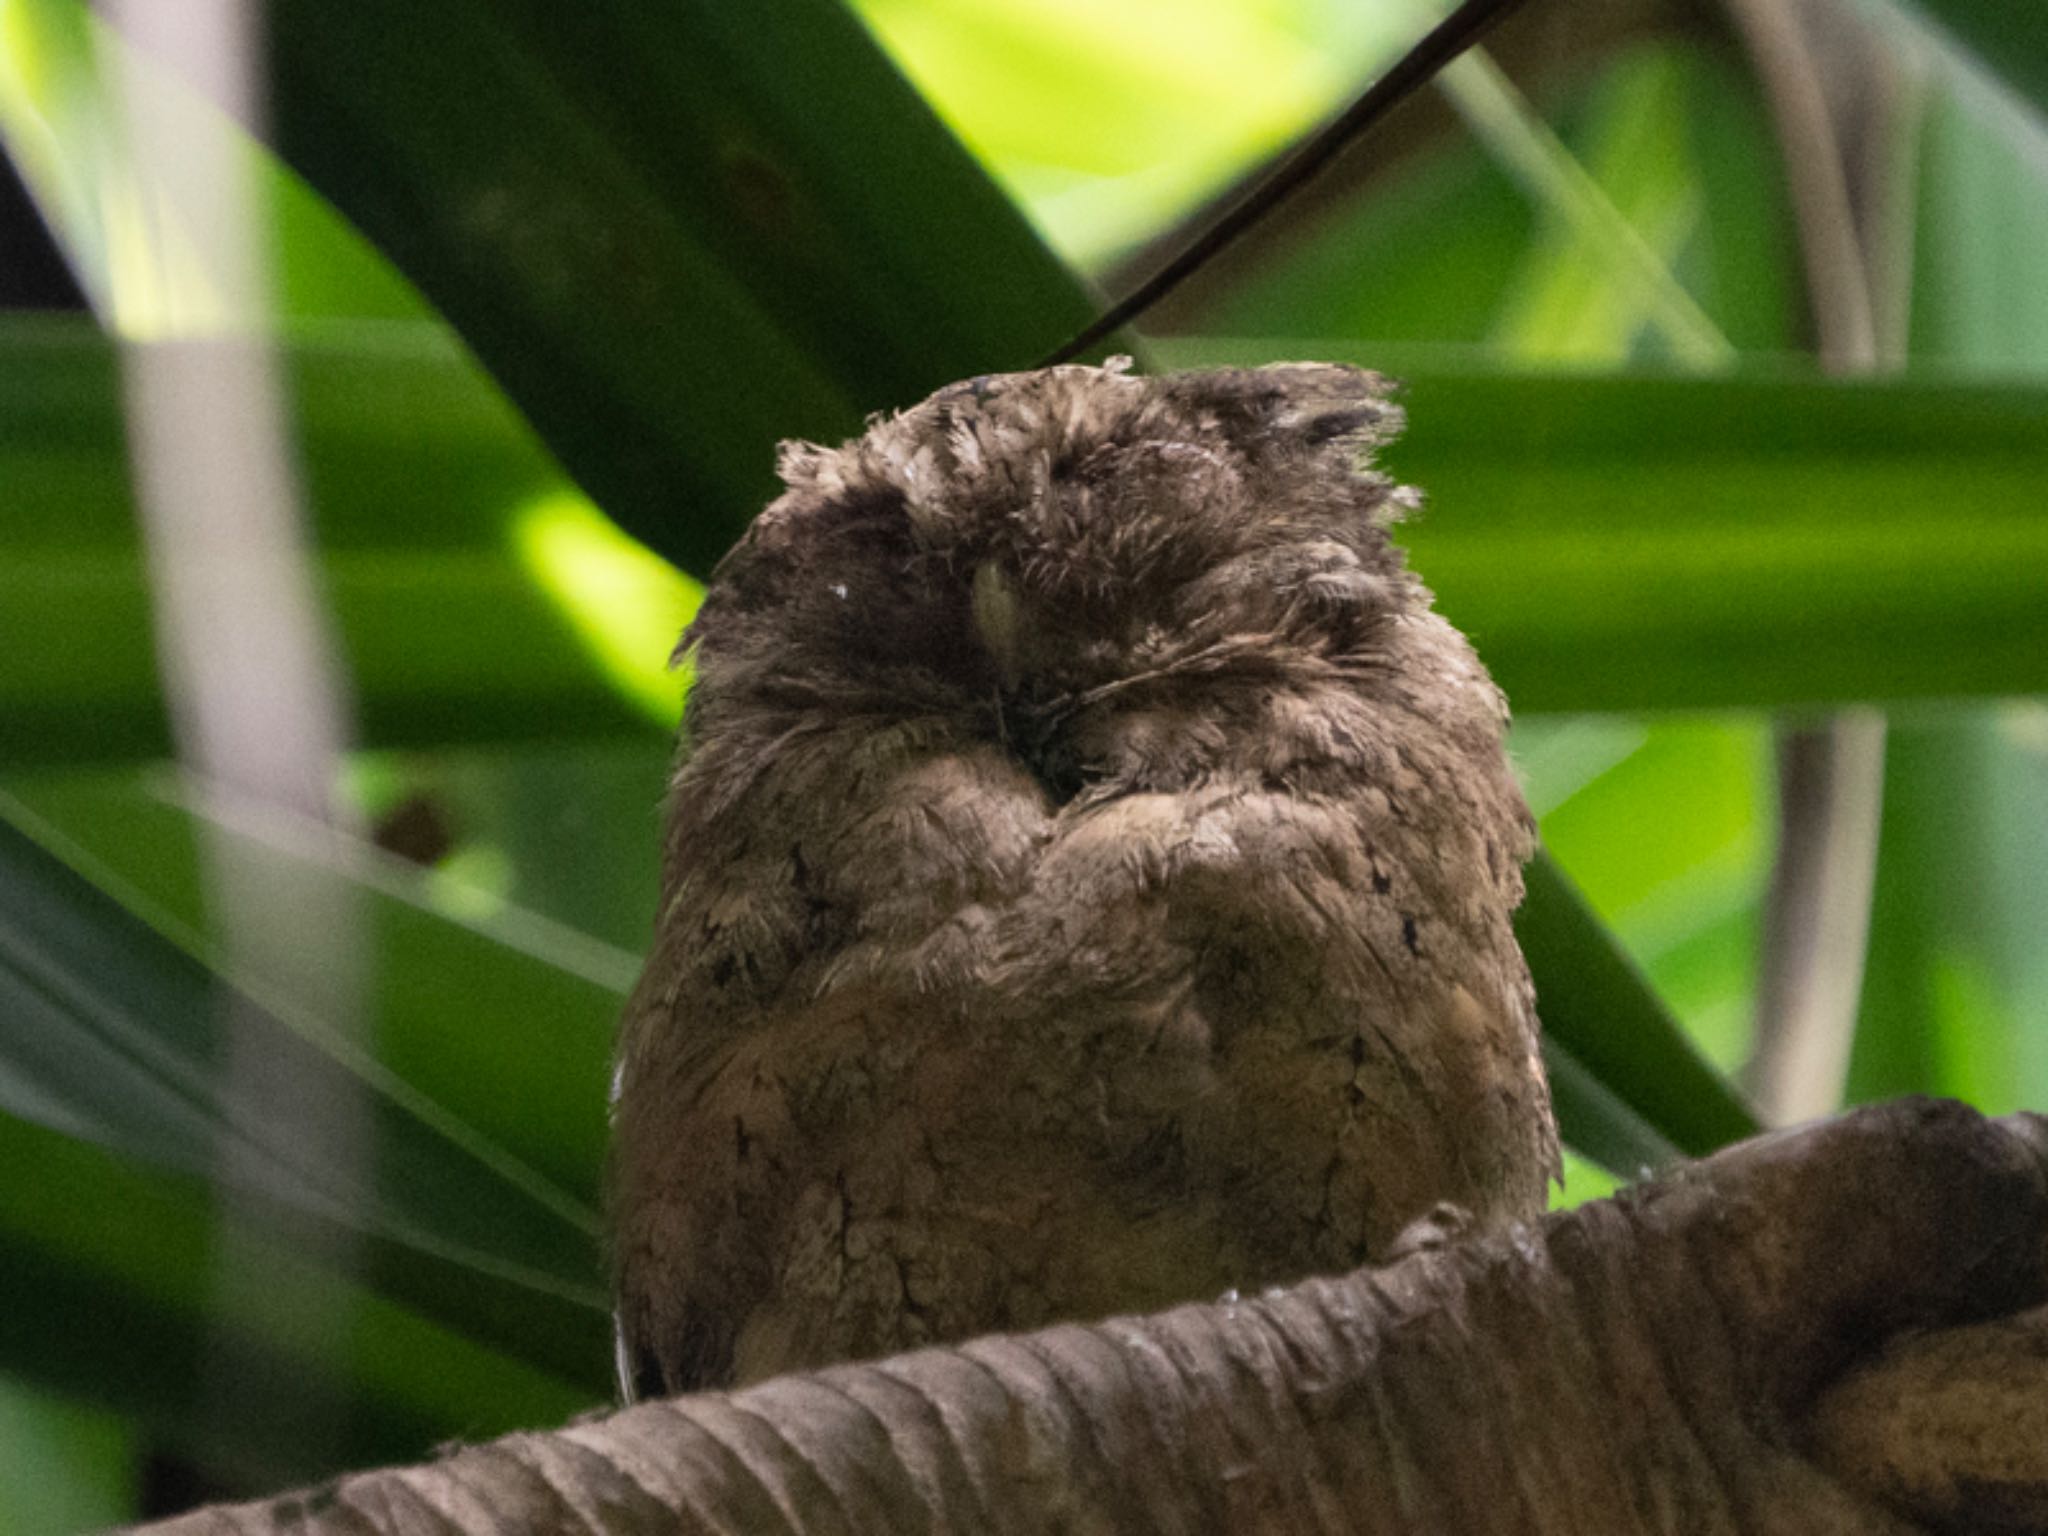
(802, 465)
(1341, 424)
(1330, 403)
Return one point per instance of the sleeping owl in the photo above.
(1086, 887)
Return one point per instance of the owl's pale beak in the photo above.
(999, 620)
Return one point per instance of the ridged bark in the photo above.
(1752, 1345)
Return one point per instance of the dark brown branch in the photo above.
(1646, 1364)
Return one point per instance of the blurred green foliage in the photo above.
(532, 260)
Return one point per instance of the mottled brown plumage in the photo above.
(1087, 885)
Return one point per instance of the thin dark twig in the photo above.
(1449, 38)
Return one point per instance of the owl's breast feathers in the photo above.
(1024, 983)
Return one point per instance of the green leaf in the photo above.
(1619, 1044)
(110, 1292)
(119, 1039)
(571, 830)
(1427, 259)
(1667, 830)
(65, 1467)
(1957, 978)
(1601, 275)
(419, 482)
(1443, 245)
(1598, 1124)
(1110, 122)
(1981, 231)
(1956, 984)
(675, 234)
(1583, 1180)
(1679, 904)
(2009, 37)
(1637, 541)
(500, 1021)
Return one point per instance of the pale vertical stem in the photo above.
(1890, 169)
(245, 651)
(1830, 793)
(1816, 171)
(1830, 775)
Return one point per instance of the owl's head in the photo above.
(1024, 541)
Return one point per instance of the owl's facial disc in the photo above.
(1074, 536)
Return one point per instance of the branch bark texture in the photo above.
(1724, 1350)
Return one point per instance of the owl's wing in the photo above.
(807, 922)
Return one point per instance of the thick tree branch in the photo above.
(1649, 1363)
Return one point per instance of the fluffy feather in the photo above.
(1087, 885)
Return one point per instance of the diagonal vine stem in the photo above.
(1457, 32)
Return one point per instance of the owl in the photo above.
(1086, 885)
